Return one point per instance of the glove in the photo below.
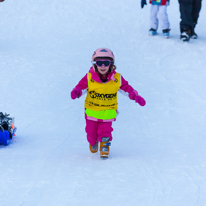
(140, 100)
(143, 2)
(76, 93)
(133, 95)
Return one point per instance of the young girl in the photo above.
(101, 85)
(158, 12)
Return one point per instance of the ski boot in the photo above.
(166, 33)
(193, 35)
(104, 147)
(152, 32)
(185, 35)
(7, 128)
(93, 149)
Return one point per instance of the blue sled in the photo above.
(5, 138)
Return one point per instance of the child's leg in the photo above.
(153, 16)
(163, 17)
(91, 130)
(104, 130)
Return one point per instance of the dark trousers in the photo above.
(189, 10)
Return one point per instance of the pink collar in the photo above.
(96, 78)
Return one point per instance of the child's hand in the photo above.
(76, 93)
(133, 95)
(140, 100)
(143, 2)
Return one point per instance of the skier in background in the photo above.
(189, 10)
(158, 13)
(101, 84)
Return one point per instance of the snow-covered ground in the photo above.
(158, 152)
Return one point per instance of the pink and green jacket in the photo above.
(125, 88)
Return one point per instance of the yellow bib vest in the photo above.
(101, 100)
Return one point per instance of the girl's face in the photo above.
(103, 69)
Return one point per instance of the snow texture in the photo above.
(158, 152)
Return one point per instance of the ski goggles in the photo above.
(105, 62)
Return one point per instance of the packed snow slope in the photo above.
(158, 152)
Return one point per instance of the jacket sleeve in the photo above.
(125, 88)
(83, 83)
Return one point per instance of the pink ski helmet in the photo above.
(102, 52)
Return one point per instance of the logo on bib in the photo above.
(99, 96)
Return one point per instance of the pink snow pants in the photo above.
(96, 130)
